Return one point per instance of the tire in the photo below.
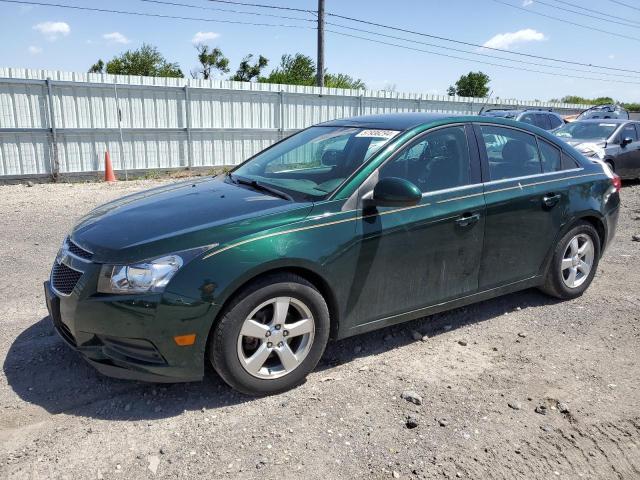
(240, 342)
(610, 165)
(558, 281)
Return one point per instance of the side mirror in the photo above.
(626, 141)
(395, 192)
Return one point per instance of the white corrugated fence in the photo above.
(61, 122)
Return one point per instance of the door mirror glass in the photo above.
(626, 141)
(395, 192)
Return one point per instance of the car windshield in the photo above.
(313, 163)
(586, 130)
(606, 111)
(501, 113)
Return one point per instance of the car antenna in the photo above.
(485, 102)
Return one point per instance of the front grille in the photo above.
(77, 251)
(64, 279)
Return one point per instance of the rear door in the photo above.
(627, 163)
(524, 205)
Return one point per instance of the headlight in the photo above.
(151, 276)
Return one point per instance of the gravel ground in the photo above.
(517, 387)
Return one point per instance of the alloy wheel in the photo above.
(276, 337)
(577, 260)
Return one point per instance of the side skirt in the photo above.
(441, 307)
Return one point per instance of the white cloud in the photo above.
(53, 30)
(116, 37)
(202, 37)
(526, 3)
(611, 56)
(33, 50)
(509, 39)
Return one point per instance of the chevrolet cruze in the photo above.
(342, 228)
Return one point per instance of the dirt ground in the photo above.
(481, 373)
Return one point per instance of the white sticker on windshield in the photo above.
(377, 133)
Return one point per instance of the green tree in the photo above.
(295, 69)
(342, 80)
(247, 71)
(211, 59)
(146, 61)
(97, 67)
(583, 100)
(300, 69)
(474, 84)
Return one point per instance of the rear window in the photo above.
(511, 153)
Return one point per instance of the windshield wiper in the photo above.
(260, 186)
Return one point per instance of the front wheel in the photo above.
(574, 262)
(271, 336)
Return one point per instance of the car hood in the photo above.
(180, 216)
(586, 142)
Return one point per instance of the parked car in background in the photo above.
(615, 142)
(545, 119)
(604, 112)
(342, 228)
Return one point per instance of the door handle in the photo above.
(468, 219)
(551, 199)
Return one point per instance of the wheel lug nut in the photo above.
(268, 334)
(277, 327)
(280, 344)
(285, 333)
(269, 345)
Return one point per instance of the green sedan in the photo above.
(343, 228)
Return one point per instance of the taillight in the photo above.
(617, 182)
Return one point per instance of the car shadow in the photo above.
(44, 371)
(389, 338)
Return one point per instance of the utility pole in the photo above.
(320, 74)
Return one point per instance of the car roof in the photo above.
(392, 121)
(618, 121)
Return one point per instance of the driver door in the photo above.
(627, 164)
(415, 257)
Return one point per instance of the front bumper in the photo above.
(131, 337)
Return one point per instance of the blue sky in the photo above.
(53, 38)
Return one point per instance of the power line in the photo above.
(229, 10)
(621, 35)
(155, 15)
(123, 12)
(632, 7)
(470, 44)
(624, 23)
(262, 5)
(595, 11)
(480, 61)
(460, 50)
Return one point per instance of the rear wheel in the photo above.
(574, 262)
(271, 336)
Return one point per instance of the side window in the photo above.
(528, 118)
(542, 121)
(628, 131)
(555, 121)
(436, 161)
(551, 158)
(511, 153)
(568, 163)
(638, 129)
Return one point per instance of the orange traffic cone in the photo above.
(109, 176)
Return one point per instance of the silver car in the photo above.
(616, 142)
